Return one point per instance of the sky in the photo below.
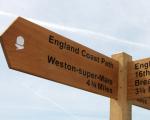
(106, 26)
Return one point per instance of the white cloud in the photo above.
(122, 19)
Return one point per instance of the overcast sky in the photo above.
(106, 26)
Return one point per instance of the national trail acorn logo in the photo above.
(19, 43)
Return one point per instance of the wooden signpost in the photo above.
(121, 108)
(35, 50)
(139, 79)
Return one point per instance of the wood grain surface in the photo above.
(32, 49)
(139, 79)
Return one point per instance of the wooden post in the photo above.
(121, 109)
